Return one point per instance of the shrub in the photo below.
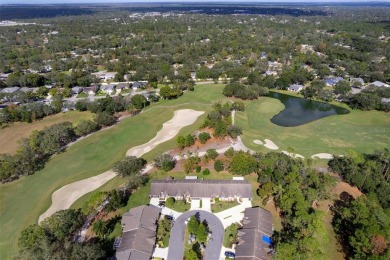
(206, 172)
(170, 202)
(212, 153)
(198, 168)
(234, 131)
(203, 137)
(218, 166)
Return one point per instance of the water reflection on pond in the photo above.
(299, 111)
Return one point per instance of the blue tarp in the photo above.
(267, 239)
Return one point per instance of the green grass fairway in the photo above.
(10, 136)
(22, 201)
(363, 131)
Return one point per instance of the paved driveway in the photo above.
(177, 239)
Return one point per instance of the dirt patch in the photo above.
(345, 187)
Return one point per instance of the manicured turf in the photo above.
(10, 136)
(363, 131)
(22, 201)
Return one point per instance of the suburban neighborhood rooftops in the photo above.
(379, 84)
(333, 80)
(139, 233)
(254, 238)
(9, 90)
(295, 87)
(201, 188)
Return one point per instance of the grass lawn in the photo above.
(82, 95)
(230, 235)
(180, 206)
(223, 205)
(362, 131)
(10, 136)
(22, 201)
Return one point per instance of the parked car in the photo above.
(230, 254)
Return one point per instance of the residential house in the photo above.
(122, 86)
(8, 104)
(193, 74)
(103, 75)
(92, 89)
(4, 76)
(138, 84)
(186, 189)
(109, 89)
(25, 89)
(77, 90)
(331, 81)
(356, 81)
(295, 87)
(9, 90)
(379, 84)
(139, 233)
(254, 238)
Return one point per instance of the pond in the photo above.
(299, 111)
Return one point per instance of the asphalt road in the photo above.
(177, 239)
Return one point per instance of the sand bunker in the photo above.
(259, 142)
(327, 156)
(170, 129)
(64, 197)
(294, 155)
(270, 145)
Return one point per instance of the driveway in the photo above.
(177, 239)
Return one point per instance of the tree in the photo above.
(242, 164)
(165, 92)
(191, 255)
(203, 137)
(180, 140)
(193, 225)
(165, 162)
(100, 228)
(189, 140)
(139, 101)
(57, 103)
(129, 166)
(202, 232)
(342, 87)
(104, 119)
(212, 153)
(218, 166)
(234, 131)
(86, 127)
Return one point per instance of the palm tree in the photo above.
(100, 228)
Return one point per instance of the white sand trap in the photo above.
(270, 145)
(259, 142)
(294, 155)
(64, 197)
(327, 156)
(170, 129)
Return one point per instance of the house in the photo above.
(4, 76)
(254, 238)
(331, 81)
(26, 89)
(193, 74)
(379, 84)
(357, 81)
(9, 90)
(295, 87)
(109, 89)
(8, 104)
(122, 86)
(138, 84)
(92, 89)
(263, 55)
(139, 233)
(104, 75)
(185, 189)
(77, 90)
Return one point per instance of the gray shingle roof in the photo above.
(139, 233)
(256, 224)
(201, 188)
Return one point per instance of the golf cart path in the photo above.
(64, 197)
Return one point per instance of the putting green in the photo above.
(363, 131)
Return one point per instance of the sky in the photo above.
(133, 1)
